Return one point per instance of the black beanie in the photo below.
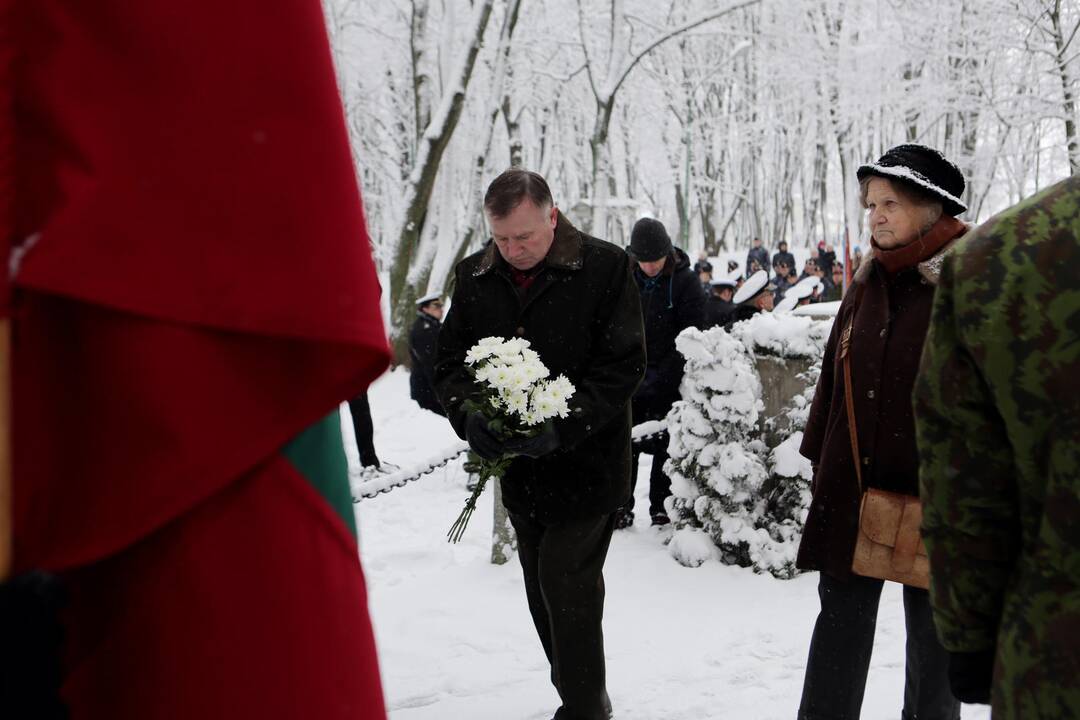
(925, 170)
(649, 240)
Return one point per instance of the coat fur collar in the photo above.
(930, 268)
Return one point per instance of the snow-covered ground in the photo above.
(456, 640)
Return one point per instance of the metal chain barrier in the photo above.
(402, 477)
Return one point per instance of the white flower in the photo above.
(482, 350)
(516, 402)
(498, 376)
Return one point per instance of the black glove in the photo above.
(537, 445)
(970, 675)
(482, 440)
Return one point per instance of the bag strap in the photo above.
(849, 399)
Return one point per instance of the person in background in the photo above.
(758, 253)
(997, 416)
(718, 308)
(733, 270)
(783, 280)
(364, 432)
(423, 337)
(754, 296)
(834, 289)
(810, 268)
(783, 256)
(704, 272)
(912, 194)
(702, 259)
(672, 300)
(826, 257)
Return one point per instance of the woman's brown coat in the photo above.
(887, 339)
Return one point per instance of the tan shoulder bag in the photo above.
(889, 546)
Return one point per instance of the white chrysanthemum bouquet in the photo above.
(516, 398)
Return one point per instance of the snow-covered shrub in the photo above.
(750, 500)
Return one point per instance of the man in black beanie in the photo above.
(672, 300)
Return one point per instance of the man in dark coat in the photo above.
(783, 256)
(757, 253)
(755, 296)
(422, 341)
(672, 300)
(826, 257)
(997, 415)
(573, 298)
(719, 308)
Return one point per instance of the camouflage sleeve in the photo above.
(967, 483)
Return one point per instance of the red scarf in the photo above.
(944, 231)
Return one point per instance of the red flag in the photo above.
(847, 260)
(193, 288)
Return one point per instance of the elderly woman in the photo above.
(913, 195)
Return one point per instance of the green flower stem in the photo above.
(486, 469)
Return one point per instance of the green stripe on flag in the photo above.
(319, 455)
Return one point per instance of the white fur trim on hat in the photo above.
(906, 173)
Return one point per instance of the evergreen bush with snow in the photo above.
(734, 498)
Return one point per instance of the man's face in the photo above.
(653, 268)
(726, 294)
(524, 236)
(704, 276)
(837, 276)
(764, 301)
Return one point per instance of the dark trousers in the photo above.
(364, 429)
(840, 654)
(564, 582)
(659, 482)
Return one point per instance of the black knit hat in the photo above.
(649, 240)
(924, 169)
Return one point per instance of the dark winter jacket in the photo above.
(422, 340)
(583, 316)
(761, 255)
(826, 260)
(741, 312)
(887, 339)
(782, 283)
(718, 312)
(784, 257)
(670, 302)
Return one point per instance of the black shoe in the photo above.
(660, 519)
(623, 519)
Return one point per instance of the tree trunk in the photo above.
(422, 181)
(1068, 98)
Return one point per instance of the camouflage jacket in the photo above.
(997, 407)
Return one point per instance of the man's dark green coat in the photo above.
(997, 410)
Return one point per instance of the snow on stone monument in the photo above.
(740, 489)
